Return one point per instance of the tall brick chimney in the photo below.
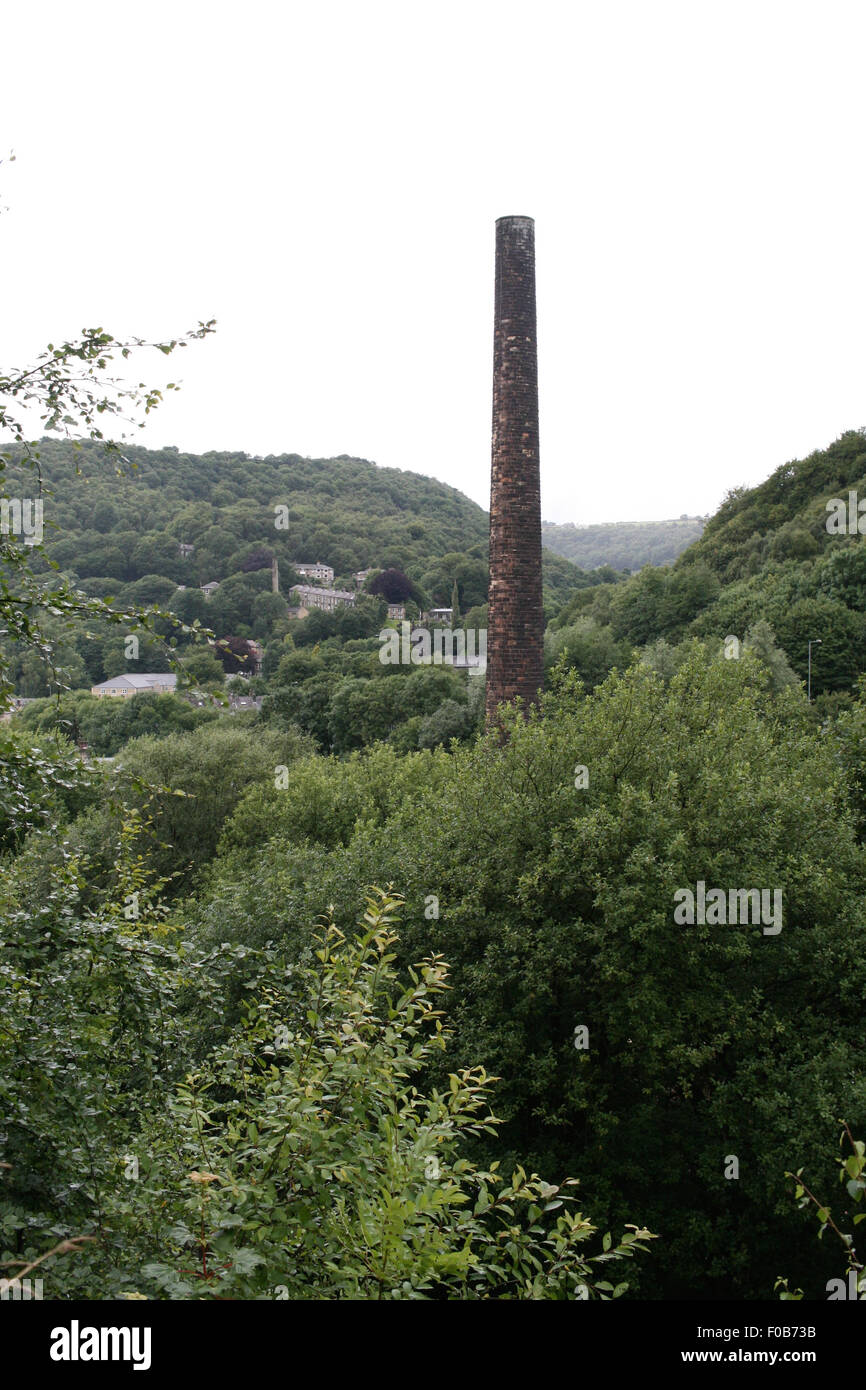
(515, 626)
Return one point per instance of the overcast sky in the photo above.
(324, 179)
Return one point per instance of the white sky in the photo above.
(324, 178)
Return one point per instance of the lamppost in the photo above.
(816, 642)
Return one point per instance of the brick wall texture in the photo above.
(515, 626)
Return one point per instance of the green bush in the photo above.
(305, 1161)
(555, 909)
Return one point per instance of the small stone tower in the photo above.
(515, 625)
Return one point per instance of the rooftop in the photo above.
(145, 681)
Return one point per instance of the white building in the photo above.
(315, 571)
(162, 682)
(210, 588)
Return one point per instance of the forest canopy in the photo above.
(269, 938)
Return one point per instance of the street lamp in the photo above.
(816, 642)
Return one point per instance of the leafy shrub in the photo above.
(304, 1161)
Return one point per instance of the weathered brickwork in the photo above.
(515, 625)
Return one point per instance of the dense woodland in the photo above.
(115, 533)
(623, 545)
(293, 996)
